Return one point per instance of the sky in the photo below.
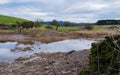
(65, 10)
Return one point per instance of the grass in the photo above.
(75, 28)
(103, 27)
(8, 31)
(10, 20)
(99, 27)
(95, 27)
(63, 28)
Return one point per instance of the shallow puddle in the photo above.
(12, 50)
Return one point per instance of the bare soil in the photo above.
(48, 64)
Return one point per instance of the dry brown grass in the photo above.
(7, 32)
(52, 36)
(96, 33)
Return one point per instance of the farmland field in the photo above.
(10, 20)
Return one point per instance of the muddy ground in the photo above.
(51, 63)
(48, 64)
(16, 37)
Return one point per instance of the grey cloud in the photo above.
(70, 10)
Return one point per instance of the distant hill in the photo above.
(10, 20)
(70, 23)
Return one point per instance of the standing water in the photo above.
(7, 53)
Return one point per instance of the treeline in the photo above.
(108, 22)
(66, 23)
(99, 22)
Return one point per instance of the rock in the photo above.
(70, 52)
(67, 63)
(52, 62)
(20, 59)
(65, 72)
(46, 68)
(26, 49)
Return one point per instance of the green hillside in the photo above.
(9, 19)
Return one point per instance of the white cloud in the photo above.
(87, 6)
(24, 12)
(41, 1)
(4, 1)
(32, 12)
(70, 10)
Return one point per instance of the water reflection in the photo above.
(61, 46)
(64, 46)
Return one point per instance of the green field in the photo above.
(95, 27)
(10, 20)
(103, 27)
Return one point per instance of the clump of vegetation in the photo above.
(49, 27)
(105, 56)
(34, 32)
(88, 27)
(113, 27)
(27, 24)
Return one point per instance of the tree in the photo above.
(26, 24)
(67, 23)
(55, 23)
